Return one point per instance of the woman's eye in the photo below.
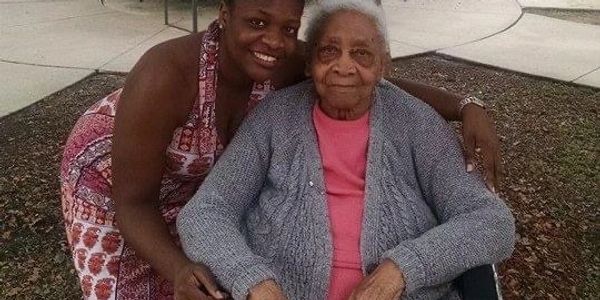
(257, 23)
(361, 52)
(291, 30)
(363, 56)
(328, 50)
(327, 53)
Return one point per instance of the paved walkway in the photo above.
(46, 45)
(564, 4)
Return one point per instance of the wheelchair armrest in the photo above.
(480, 283)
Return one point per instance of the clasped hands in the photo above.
(385, 283)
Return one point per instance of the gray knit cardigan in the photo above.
(262, 211)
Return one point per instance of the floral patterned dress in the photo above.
(107, 267)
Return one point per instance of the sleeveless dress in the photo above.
(107, 267)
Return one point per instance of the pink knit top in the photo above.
(343, 147)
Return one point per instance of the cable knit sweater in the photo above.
(262, 211)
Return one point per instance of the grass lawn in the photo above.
(550, 134)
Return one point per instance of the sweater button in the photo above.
(311, 183)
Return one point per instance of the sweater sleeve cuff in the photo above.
(248, 278)
(410, 264)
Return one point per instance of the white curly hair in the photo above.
(324, 9)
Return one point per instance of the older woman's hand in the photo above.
(196, 282)
(266, 290)
(480, 136)
(386, 282)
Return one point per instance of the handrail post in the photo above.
(195, 15)
(166, 12)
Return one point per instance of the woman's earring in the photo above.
(220, 26)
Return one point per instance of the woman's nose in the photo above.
(345, 65)
(274, 39)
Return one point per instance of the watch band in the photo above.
(467, 100)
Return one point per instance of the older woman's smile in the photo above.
(343, 86)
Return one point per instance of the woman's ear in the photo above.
(386, 69)
(224, 14)
(307, 69)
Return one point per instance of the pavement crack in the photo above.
(132, 47)
(488, 36)
(60, 20)
(588, 73)
(43, 65)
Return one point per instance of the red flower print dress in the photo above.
(107, 267)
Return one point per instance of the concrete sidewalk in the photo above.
(562, 4)
(46, 45)
(541, 46)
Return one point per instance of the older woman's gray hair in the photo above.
(325, 8)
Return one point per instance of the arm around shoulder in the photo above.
(444, 102)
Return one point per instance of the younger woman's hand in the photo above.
(196, 282)
(480, 136)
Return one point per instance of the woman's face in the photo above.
(260, 34)
(347, 61)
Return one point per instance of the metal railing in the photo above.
(194, 16)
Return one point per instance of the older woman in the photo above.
(344, 186)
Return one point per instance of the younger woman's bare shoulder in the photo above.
(177, 57)
(184, 51)
(166, 76)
